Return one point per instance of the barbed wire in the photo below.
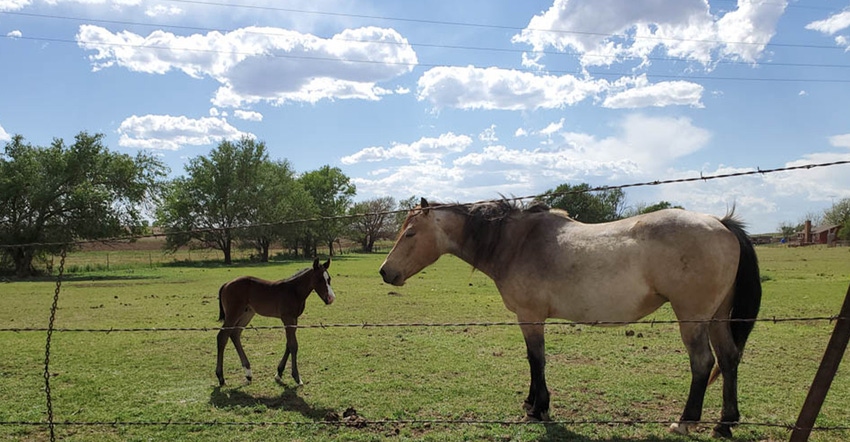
(365, 422)
(650, 322)
(129, 238)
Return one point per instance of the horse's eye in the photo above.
(409, 233)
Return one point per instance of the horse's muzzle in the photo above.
(391, 277)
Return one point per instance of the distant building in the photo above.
(825, 234)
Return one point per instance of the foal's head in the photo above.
(321, 281)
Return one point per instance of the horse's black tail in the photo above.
(747, 298)
(220, 306)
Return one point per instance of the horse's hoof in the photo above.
(278, 379)
(527, 406)
(544, 417)
(721, 432)
(682, 428)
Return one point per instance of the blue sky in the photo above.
(457, 100)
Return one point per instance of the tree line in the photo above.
(234, 197)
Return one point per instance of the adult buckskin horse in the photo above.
(241, 298)
(547, 265)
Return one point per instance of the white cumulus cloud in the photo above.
(15, 34)
(637, 92)
(507, 89)
(248, 115)
(166, 132)
(13, 5)
(608, 31)
(3, 135)
(255, 64)
(426, 149)
(831, 25)
(640, 147)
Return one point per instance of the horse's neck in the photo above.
(300, 287)
(465, 248)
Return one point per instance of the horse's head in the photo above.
(322, 281)
(420, 243)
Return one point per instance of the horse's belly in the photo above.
(607, 307)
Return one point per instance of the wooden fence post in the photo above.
(826, 372)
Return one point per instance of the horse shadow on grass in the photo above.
(236, 399)
(556, 432)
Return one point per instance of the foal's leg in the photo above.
(291, 348)
(695, 337)
(236, 337)
(537, 403)
(221, 341)
(728, 358)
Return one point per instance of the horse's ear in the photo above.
(327, 264)
(423, 204)
(316, 263)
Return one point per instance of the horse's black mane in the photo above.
(485, 221)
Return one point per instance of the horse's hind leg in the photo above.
(236, 337)
(728, 358)
(696, 338)
(221, 343)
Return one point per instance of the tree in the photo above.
(788, 230)
(839, 214)
(586, 206)
(60, 194)
(373, 221)
(280, 197)
(642, 208)
(332, 193)
(216, 198)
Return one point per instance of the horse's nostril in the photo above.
(382, 272)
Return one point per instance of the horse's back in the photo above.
(251, 292)
(626, 269)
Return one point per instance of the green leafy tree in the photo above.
(332, 192)
(280, 197)
(642, 208)
(216, 198)
(585, 206)
(373, 221)
(839, 214)
(66, 193)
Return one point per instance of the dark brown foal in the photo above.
(240, 299)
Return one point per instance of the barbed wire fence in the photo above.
(800, 430)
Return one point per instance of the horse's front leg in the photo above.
(537, 403)
(291, 349)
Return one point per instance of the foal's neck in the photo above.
(301, 286)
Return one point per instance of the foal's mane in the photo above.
(485, 221)
(297, 275)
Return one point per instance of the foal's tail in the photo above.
(747, 297)
(220, 306)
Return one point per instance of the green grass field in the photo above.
(386, 373)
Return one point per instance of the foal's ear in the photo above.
(327, 264)
(423, 204)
